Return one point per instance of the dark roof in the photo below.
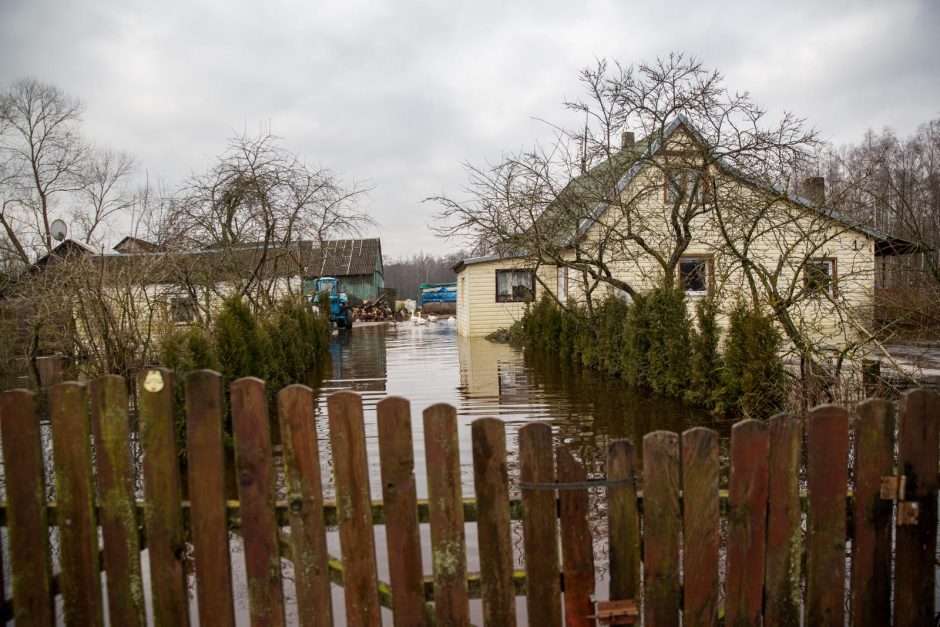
(132, 245)
(344, 257)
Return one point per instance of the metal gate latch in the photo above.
(895, 489)
(615, 612)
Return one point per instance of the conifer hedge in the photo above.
(652, 344)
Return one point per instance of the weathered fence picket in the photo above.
(784, 548)
(701, 553)
(206, 462)
(163, 512)
(539, 524)
(75, 494)
(676, 502)
(747, 522)
(117, 510)
(305, 506)
(491, 483)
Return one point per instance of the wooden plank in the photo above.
(254, 470)
(445, 504)
(539, 525)
(351, 481)
(163, 513)
(491, 483)
(117, 511)
(208, 524)
(577, 546)
(305, 504)
(916, 545)
(400, 496)
(623, 522)
(784, 534)
(700, 556)
(26, 509)
(827, 474)
(80, 579)
(661, 526)
(871, 543)
(747, 522)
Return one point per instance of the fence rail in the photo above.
(779, 566)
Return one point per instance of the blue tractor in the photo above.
(340, 311)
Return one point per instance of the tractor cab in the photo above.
(340, 312)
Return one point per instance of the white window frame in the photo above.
(709, 270)
(561, 284)
(512, 298)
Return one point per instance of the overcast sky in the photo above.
(398, 94)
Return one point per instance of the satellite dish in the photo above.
(58, 229)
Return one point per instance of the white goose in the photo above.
(417, 319)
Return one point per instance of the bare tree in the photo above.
(104, 194)
(255, 203)
(542, 202)
(41, 158)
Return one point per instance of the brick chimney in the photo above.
(627, 140)
(814, 190)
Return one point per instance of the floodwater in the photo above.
(431, 364)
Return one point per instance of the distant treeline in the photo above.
(407, 274)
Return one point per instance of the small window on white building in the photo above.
(182, 309)
(695, 275)
(561, 290)
(820, 276)
(515, 286)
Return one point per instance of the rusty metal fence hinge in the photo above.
(895, 489)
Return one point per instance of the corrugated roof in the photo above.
(344, 257)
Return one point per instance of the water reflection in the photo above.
(431, 364)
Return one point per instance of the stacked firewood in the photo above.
(376, 311)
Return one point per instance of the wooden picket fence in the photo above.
(672, 570)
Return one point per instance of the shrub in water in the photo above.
(753, 373)
(706, 389)
(241, 344)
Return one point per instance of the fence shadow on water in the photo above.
(778, 566)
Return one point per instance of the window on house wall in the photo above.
(820, 276)
(695, 275)
(561, 289)
(515, 286)
(681, 184)
(182, 309)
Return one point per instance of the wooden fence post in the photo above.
(784, 533)
(623, 522)
(256, 483)
(27, 524)
(747, 523)
(208, 521)
(916, 544)
(577, 547)
(163, 512)
(491, 482)
(662, 523)
(445, 509)
(78, 529)
(701, 520)
(827, 473)
(305, 505)
(540, 525)
(871, 544)
(118, 506)
(399, 495)
(351, 473)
